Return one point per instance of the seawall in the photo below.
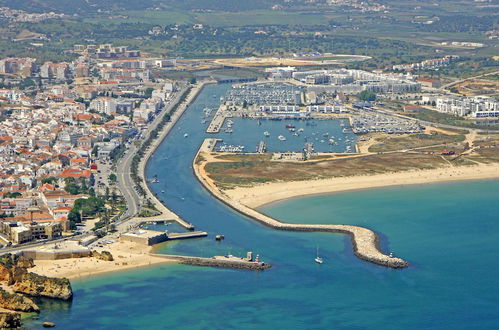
(365, 241)
(193, 93)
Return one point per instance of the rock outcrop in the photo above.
(13, 268)
(17, 302)
(42, 286)
(10, 320)
(104, 255)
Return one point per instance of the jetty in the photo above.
(217, 122)
(217, 261)
(191, 234)
(365, 241)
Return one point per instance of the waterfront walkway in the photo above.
(365, 241)
(127, 184)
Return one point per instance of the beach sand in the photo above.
(270, 192)
(126, 256)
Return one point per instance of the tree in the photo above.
(148, 92)
(12, 195)
(367, 96)
(112, 177)
(49, 180)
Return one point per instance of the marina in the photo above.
(326, 136)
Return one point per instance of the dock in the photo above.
(261, 148)
(217, 122)
(191, 234)
(209, 144)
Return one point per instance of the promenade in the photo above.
(365, 241)
(126, 182)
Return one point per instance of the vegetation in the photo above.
(12, 195)
(367, 96)
(85, 207)
(78, 186)
(241, 172)
(448, 119)
(414, 141)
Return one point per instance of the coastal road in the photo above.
(125, 182)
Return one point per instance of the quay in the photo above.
(365, 241)
(217, 261)
(208, 145)
(217, 122)
(192, 234)
(152, 237)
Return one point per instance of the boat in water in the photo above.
(186, 135)
(290, 126)
(281, 137)
(318, 259)
(266, 133)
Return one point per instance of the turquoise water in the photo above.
(449, 233)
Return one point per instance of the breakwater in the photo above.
(365, 241)
(216, 262)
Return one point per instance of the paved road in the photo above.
(469, 78)
(125, 182)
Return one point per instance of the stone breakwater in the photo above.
(365, 241)
(212, 262)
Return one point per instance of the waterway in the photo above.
(449, 233)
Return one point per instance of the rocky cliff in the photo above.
(42, 286)
(13, 268)
(10, 320)
(104, 255)
(17, 302)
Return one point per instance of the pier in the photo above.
(208, 145)
(217, 261)
(261, 148)
(192, 234)
(217, 122)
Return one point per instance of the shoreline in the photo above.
(268, 193)
(126, 256)
(365, 242)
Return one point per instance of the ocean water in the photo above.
(448, 232)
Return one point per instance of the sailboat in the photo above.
(318, 259)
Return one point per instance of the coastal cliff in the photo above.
(13, 268)
(17, 302)
(42, 286)
(9, 320)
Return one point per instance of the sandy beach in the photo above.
(126, 256)
(270, 192)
